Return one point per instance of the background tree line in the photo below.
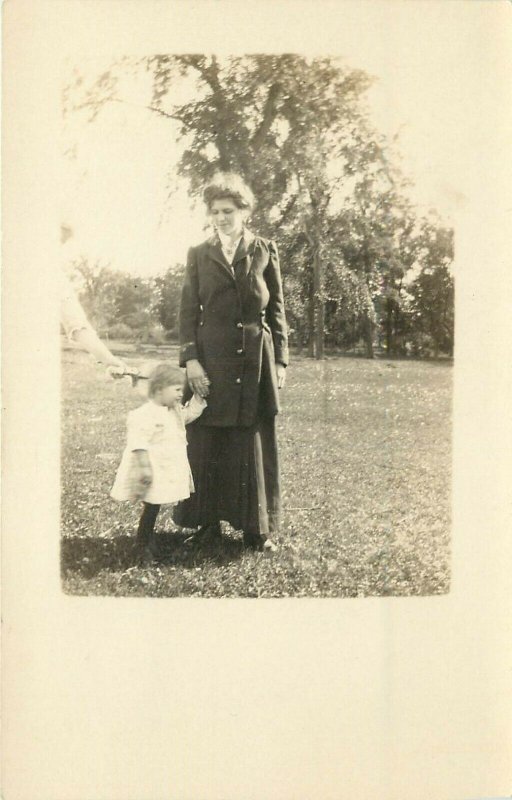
(360, 264)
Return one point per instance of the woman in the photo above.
(77, 327)
(233, 343)
(79, 330)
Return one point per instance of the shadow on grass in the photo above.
(86, 556)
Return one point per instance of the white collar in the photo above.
(157, 408)
(227, 243)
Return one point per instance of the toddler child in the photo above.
(154, 467)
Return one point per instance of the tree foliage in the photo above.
(168, 288)
(112, 298)
(327, 184)
(432, 293)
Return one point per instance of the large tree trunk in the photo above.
(299, 332)
(319, 304)
(389, 328)
(311, 324)
(397, 340)
(369, 324)
(368, 337)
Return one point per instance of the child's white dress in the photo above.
(161, 432)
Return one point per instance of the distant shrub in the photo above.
(422, 344)
(120, 330)
(172, 335)
(152, 335)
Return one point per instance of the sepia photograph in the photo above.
(269, 286)
(255, 347)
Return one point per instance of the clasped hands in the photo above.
(200, 384)
(197, 378)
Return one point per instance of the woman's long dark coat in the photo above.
(232, 320)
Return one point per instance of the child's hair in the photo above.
(164, 375)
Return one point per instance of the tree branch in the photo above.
(210, 74)
(269, 115)
(152, 108)
(287, 210)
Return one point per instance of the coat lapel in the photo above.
(216, 254)
(245, 250)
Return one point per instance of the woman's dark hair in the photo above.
(164, 375)
(229, 186)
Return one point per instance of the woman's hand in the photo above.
(117, 363)
(197, 378)
(281, 375)
(118, 369)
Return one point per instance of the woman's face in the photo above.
(227, 217)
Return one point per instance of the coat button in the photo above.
(240, 351)
(239, 325)
(239, 380)
(201, 323)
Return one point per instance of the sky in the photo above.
(115, 192)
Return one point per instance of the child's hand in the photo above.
(143, 473)
(145, 476)
(200, 400)
(144, 481)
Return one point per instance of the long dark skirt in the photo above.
(236, 478)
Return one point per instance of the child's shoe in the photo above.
(149, 551)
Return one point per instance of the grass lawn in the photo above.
(366, 458)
